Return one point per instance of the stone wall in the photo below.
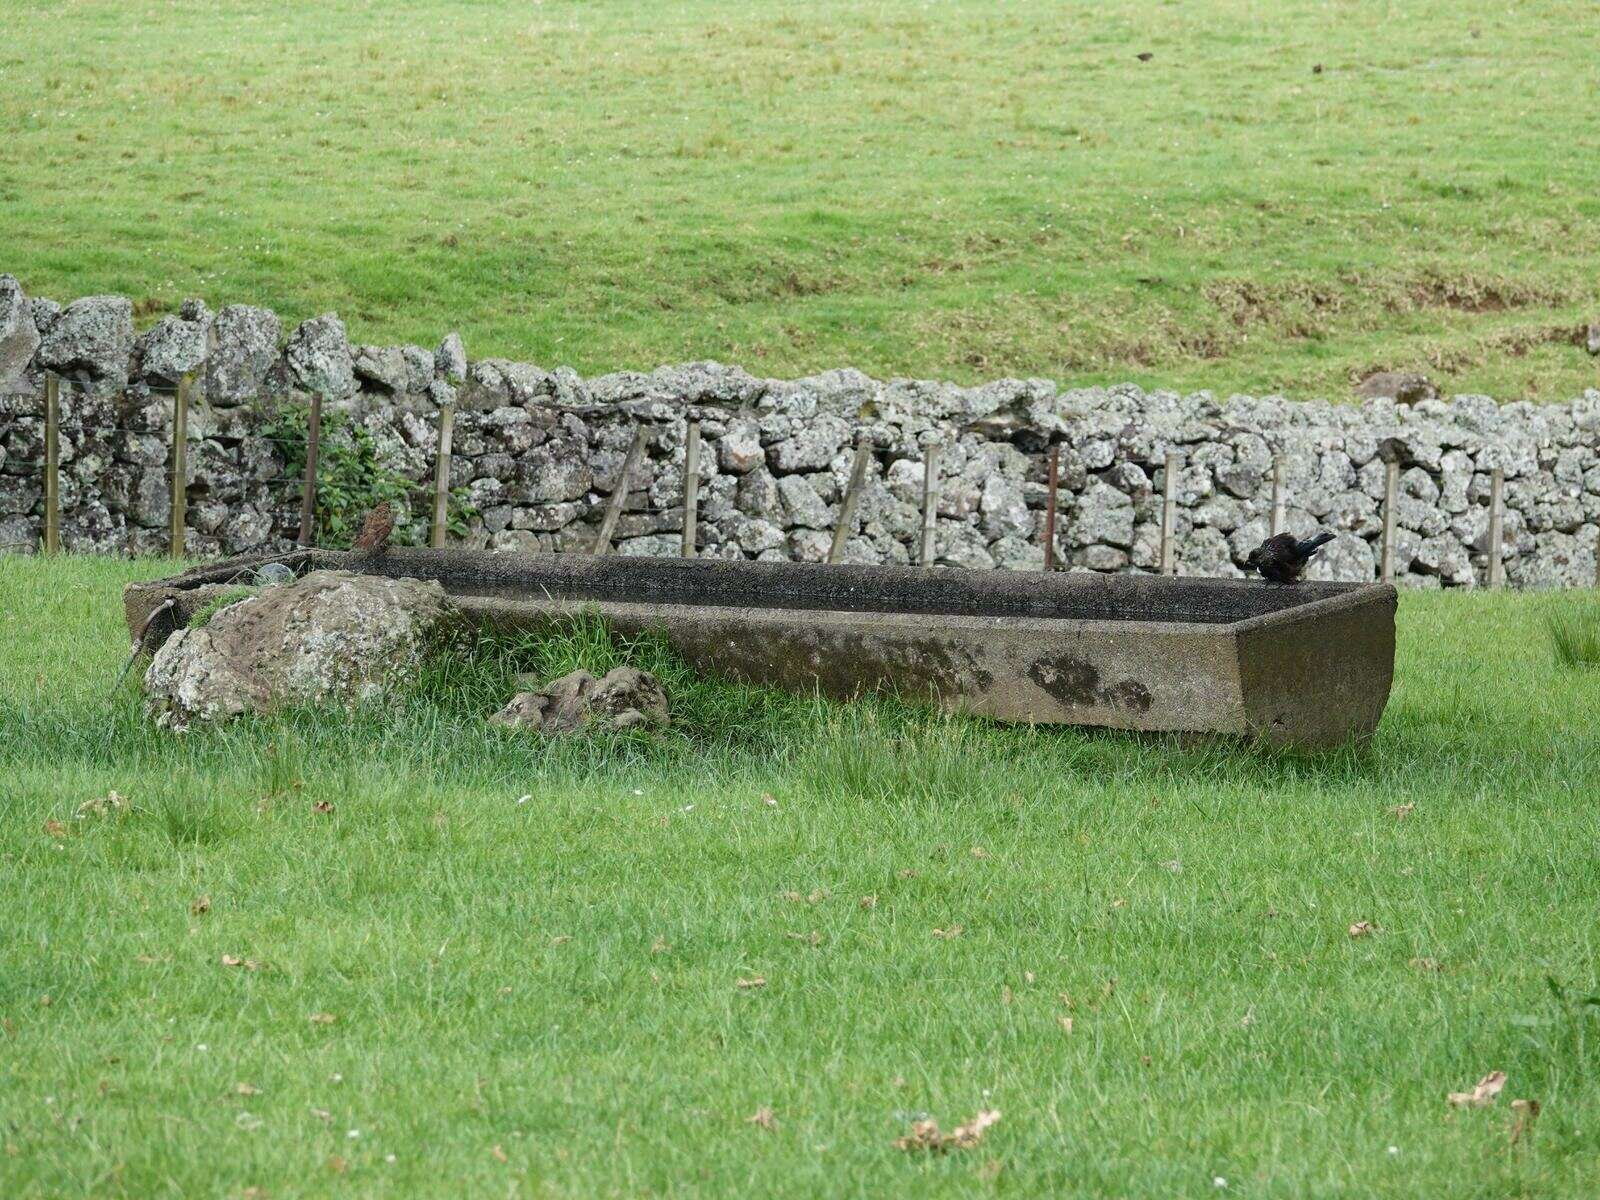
(537, 452)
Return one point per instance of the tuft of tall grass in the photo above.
(1575, 634)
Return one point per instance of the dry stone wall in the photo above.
(536, 453)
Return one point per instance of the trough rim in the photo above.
(1355, 595)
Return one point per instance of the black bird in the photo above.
(1282, 558)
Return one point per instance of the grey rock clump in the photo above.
(91, 340)
(330, 637)
(624, 698)
(19, 336)
(243, 351)
(450, 359)
(318, 357)
(386, 367)
(174, 346)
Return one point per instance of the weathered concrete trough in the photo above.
(1308, 665)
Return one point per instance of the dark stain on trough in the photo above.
(1075, 681)
(847, 664)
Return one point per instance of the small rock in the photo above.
(450, 359)
(624, 698)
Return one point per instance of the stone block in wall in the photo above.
(1102, 515)
(19, 534)
(244, 350)
(810, 449)
(19, 335)
(91, 341)
(739, 450)
(174, 345)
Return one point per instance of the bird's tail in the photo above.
(1311, 545)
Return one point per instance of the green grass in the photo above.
(542, 998)
(960, 189)
(203, 614)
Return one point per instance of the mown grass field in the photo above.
(543, 997)
(960, 189)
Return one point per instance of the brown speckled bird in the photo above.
(373, 539)
(1282, 558)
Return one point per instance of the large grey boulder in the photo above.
(244, 348)
(91, 340)
(623, 698)
(319, 359)
(19, 337)
(331, 637)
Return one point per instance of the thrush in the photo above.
(373, 539)
(1282, 558)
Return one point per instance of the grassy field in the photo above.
(543, 996)
(1284, 196)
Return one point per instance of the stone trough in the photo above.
(1308, 666)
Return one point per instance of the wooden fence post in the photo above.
(930, 503)
(1497, 564)
(1169, 515)
(52, 464)
(180, 465)
(1050, 509)
(441, 478)
(1277, 495)
(308, 493)
(852, 496)
(1391, 492)
(619, 494)
(691, 486)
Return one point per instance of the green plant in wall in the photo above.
(351, 476)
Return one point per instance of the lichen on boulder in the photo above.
(331, 637)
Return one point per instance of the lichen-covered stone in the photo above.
(19, 336)
(318, 357)
(244, 349)
(331, 637)
(91, 340)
